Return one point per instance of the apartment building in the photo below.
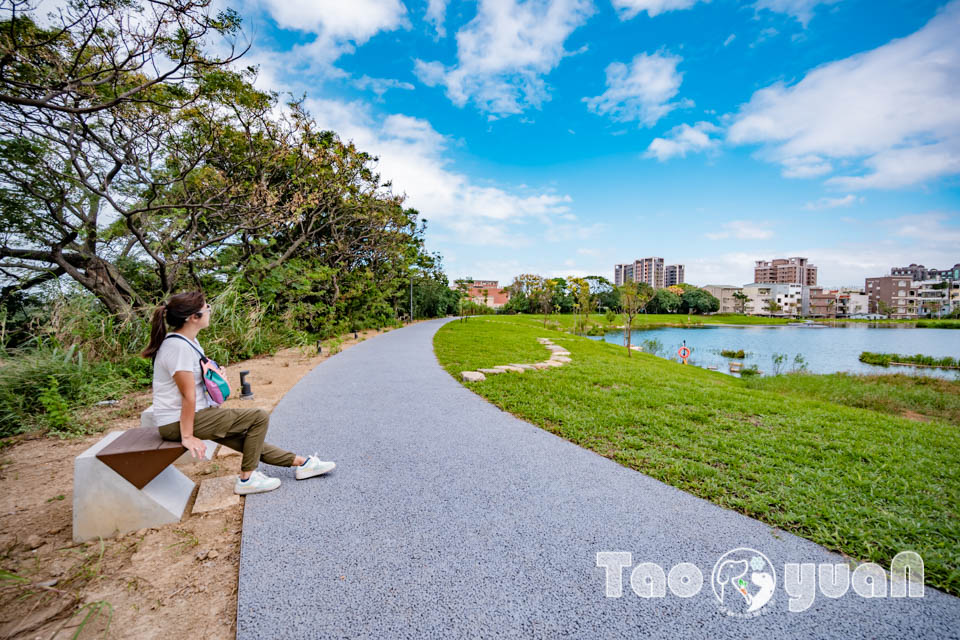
(919, 273)
(787, 296)
(785, 271)
(818, 302)
(937, 297)
(724, 293)
(673, 274)
(649, 270)
(852, 303)
(893, 295)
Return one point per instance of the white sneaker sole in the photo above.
(241, 490)
(310, 474)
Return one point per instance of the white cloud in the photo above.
(641, 91)
(730, 38)
(504, 52)
(356, 20)
(627, 9)
(412, 156)
(436, 14)
(683, 139)
(338, 26)
(929, 229)
(896, 109)
(742, 230)
(831, 203)
(380, 85)
(802, 10)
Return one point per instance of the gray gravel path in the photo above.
(448, 518)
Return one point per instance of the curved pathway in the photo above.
(448, 518)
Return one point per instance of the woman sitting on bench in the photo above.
(184, 411)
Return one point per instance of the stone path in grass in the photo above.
(558, 357)
(448, 518)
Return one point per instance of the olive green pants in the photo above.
(242, 430)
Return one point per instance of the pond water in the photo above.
(825, 350)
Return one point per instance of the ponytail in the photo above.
(157, 332)
(173, 312)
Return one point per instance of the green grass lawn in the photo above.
(791, 452)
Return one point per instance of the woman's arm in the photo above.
(185, 383)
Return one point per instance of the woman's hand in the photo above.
(196, 446)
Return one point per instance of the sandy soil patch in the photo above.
(175, 581)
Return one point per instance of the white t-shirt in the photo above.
(175, 355)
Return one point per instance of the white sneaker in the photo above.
(314, 466)
(258, 483)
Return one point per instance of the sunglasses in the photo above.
(206, 309)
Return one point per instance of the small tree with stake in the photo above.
(463, 289)
(634, 300)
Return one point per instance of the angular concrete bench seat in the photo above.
(127, 482)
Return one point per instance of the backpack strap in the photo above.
(203, 358)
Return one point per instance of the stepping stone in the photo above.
(473, 376)
(563, 359)
(560, 353)
(541, 365)
(544, 341)
(555, 347)
(554, 363)
(523, 366)
(216, 494)
(490, 371)
(508, 367)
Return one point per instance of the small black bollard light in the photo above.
(319, 348)
(246, 393)
(355, 336)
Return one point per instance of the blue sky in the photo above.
(561, 137)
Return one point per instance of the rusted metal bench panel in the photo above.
(139, 455)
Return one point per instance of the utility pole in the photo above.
(411, 296)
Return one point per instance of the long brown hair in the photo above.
(173, 312)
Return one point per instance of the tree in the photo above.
(583, 304)
(665, 301)
(520, 293)
(539, 297)
(634, 299)
(741, 300)
(607, 296)
(561, 299)
(90, 131)
(463, 291)
(772, 306)
(696, 300)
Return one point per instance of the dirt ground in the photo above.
(174, 581)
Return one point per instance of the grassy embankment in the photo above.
(789, 451)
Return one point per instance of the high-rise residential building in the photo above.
(785, 271)
(673, 274)
(649, 270)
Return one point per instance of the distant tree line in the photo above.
(531, 293)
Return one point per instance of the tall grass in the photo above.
(81, 355)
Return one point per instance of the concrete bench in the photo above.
(126, 482)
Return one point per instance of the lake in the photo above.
(826, 350)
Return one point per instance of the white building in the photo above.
(789, 298)
(724, 293)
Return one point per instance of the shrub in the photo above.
(730, 353)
